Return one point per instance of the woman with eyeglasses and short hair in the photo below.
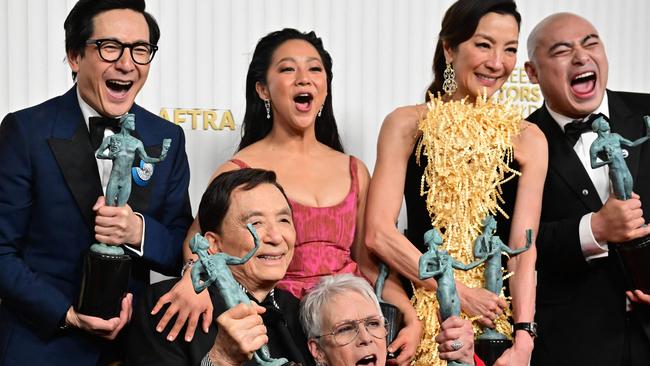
(344, 324)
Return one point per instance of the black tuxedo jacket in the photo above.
(148, 347)
(581, 310)
(48, 184)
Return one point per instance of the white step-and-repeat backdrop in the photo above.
(382, 51)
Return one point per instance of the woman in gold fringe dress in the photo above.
(475, 54)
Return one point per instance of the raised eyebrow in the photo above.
(291, 59)
(288, 58)
(491, 39)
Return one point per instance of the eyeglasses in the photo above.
(346, 332)
(111, 50)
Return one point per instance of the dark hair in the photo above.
(216, 198)
(79, 23)
(255, 125)
(458, 25)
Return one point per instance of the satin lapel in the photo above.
(70, 144)
(139, 199)
(565, 162)
(629, 125)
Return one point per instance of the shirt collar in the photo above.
(269, 298)
(564, 120)
(86, 110)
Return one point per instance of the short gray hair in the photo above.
(312, 305)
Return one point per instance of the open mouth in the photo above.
(268, 257)
(118, 87)
(368, 360)
(303, 101)
(583, 84)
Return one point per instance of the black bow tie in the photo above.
(574, 129)
(97, 125)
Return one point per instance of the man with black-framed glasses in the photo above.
(51, 197)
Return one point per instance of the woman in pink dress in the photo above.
(289, 127)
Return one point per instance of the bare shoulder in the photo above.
(403, 122)
(362, 171)
(531, 134)
(402, 116)
(530, 146)
(225, 167)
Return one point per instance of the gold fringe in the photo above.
(468, 148)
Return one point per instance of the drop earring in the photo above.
(267, 105)
(449, 85)
(320, 111)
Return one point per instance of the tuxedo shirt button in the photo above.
(585, 192)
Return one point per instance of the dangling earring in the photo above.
(449, 86)
(320, 111)
(267, 105)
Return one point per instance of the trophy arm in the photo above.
(237, 261)
(198, 243)
(148, 159)
(593, 155)
(99, 154)
(529, 242)
(637, 142)
(467, 267)
(423, 272)
(478, 247)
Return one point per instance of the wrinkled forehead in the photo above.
(565, 29)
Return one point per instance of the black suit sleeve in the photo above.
(558, 246)
(145, 346)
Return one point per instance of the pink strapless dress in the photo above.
(324, 237)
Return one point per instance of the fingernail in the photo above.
(188, 339)
(159, 329)
(170, 338)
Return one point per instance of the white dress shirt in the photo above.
(599, 177)
(105, 165)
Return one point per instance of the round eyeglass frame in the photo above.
(100, 42)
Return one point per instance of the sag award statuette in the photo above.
(106, 268)
(490, 344)
(213, 269)
(634, 256)
(438, 264)
(393, 316)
